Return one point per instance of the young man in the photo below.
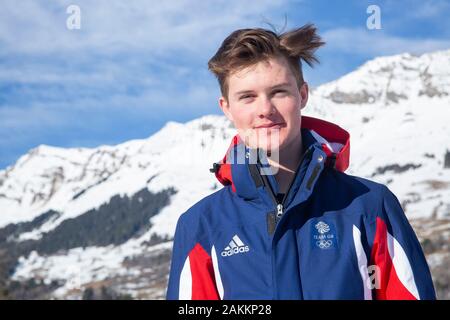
(289, 223)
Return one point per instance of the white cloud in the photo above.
(429, 9)
(176, 26)
(152, 49)
(378, 42)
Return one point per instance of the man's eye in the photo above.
(280, 91)
(245, 96)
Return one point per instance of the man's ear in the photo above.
(223, 104)
(304, 93)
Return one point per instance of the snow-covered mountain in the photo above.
(82, 221)
(390, 80)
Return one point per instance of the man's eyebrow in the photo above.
(284, 84)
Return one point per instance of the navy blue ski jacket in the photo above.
(332, 236)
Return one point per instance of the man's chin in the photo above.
(269, 150)
(265, 145)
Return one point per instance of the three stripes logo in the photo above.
(235, 246)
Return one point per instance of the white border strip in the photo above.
(219, 284)
(362, 263)
(402, 265)
(185, 289)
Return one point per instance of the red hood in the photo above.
(335, 142)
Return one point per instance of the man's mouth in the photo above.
(277, 125)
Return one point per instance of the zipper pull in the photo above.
(279, 210)
(271, 222)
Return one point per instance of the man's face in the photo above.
(264, 104)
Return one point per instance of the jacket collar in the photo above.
(328, 139)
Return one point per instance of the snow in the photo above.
(81, 265)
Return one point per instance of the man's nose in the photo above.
(265, 107)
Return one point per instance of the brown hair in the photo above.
(246, 47)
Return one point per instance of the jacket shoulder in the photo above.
(341, 180)
(378, 190)
(360, 194)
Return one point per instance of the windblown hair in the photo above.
(246, 47)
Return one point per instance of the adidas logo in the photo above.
(235, 246)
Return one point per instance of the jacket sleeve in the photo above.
(401, 270)
(191, 275)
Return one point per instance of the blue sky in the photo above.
(134, 65)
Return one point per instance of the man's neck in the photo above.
(287, 164)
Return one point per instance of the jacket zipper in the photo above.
(273, 218)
